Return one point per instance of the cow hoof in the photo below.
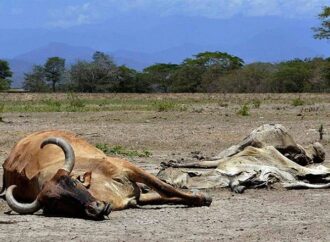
(203, 198)
(170, 163)
(238, 189)
(207, 200)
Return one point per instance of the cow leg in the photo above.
(198, 164)
(167, 191)
(304, 185)
(153, 198)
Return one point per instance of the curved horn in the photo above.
(67, 149)
(21, 208)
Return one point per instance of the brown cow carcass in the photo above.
(89, 184)
(268, 156)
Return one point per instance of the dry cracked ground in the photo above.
(273, 215)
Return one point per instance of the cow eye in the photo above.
(81, 179)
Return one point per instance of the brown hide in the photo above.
(30, 167)
(109, 179)
(28, 159)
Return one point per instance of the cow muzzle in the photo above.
(97, 210)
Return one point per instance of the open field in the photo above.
(151, 128)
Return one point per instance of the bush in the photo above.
(75, 102)
(120, 150)
(256, 103)
(297, 102)
(164, 106)
(244, 110)
(53, 104)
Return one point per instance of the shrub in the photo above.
(53, 104)
(183, 108)
(164, 106)
(298, 102)
(120, 150)
(256, 103)
(75, 102)
(244, 110)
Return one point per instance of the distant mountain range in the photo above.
(138, 41)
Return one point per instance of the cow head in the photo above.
(62, 195)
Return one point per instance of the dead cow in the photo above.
(89, 184)
(267, 156)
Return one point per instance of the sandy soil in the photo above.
(274, 215)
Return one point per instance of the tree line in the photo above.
(204, 72)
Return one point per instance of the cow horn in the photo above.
(67, 149)
(21, 208)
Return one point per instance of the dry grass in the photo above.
(61, 102)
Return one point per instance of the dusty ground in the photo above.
(275, 215)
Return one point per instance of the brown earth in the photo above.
(274, 215)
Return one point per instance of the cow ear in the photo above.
(85, 179)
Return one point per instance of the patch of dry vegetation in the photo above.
(61, 102)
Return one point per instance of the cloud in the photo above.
(72, 15)
(97, 10)
(263, 8)
(226, 8)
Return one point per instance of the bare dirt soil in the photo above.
(273, 215)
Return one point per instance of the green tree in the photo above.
(319, 81)
(54, 70)
(292, 76)
(82, 76)
(105, 72)
(4, 74)
(200, 72)
(187, 78)
(326, 76)
(254, 77)
(323, 32)
(142, 84)
(221, 60)
(99, 75)
(35, 81)
(161, 75)
(103, 60)
(129, 81)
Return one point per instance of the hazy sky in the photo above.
(67, 13)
